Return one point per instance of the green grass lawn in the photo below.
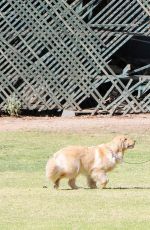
(25, 204)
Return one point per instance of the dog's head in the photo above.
(120, 144)
(124, 142)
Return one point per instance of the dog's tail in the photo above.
(52, 172)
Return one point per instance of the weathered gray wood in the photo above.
(52, 59)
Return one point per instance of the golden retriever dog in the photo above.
(93, 162)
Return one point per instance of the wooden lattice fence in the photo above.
(56, 54)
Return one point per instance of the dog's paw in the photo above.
(44, 186)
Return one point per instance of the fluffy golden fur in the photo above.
(93, 162)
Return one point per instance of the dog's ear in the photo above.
(123, 142)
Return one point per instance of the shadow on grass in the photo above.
(109, 188)
(136, 187)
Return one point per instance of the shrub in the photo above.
(13, 106)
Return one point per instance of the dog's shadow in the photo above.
(122, 188)
(110, 188)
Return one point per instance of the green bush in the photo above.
(13, 106)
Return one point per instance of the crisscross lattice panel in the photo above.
(52, 57)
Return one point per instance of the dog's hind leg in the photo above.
(53, 173)
(72, 184)
(56, 183)
(91, 183)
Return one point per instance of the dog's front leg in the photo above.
(100, 177)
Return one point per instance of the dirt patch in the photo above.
(120, 124)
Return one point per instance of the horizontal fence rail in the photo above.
(57, 54)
